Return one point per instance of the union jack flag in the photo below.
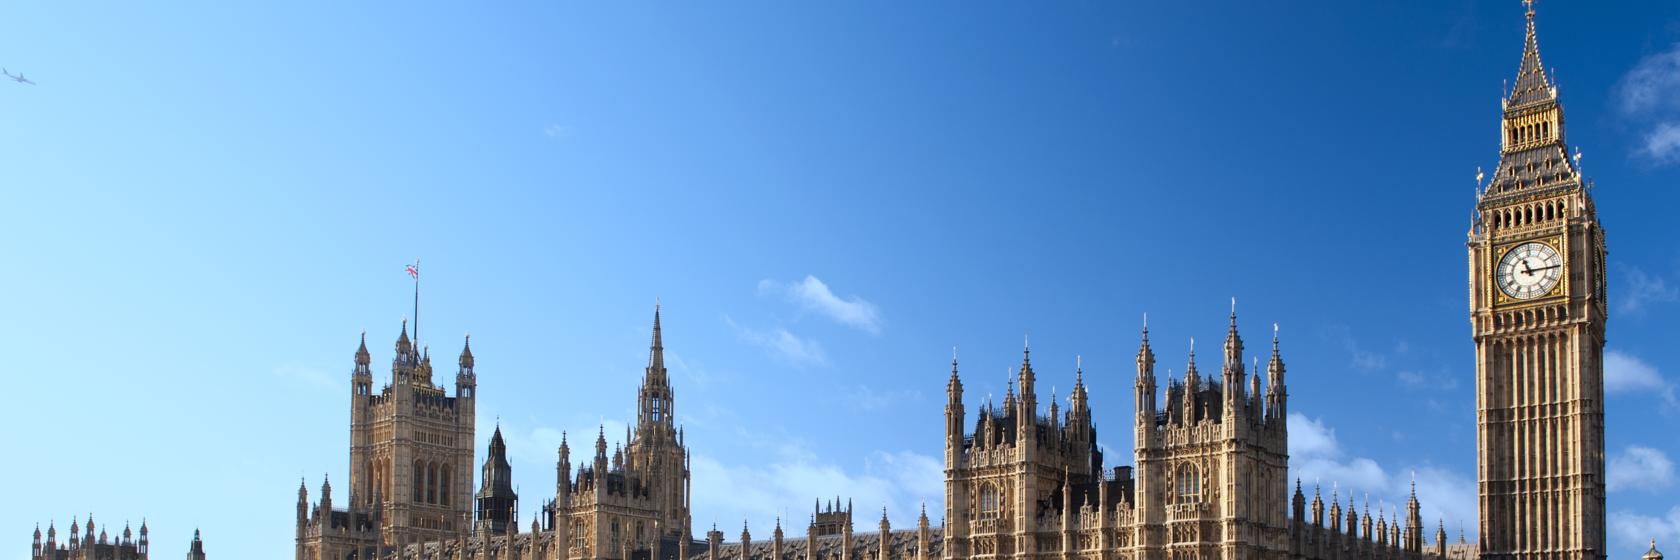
(413, 270)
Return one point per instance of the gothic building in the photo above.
(1210, 478)
(633, 503)
(1025, 479)
(1537, 314)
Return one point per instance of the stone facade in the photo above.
(1210, 478)
(1537, 314)
(631, 504)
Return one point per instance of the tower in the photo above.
(656, 448)
(1537, 315)
(1212, 466)
(497, 502)
(411, 445)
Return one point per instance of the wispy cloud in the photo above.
(782, 344)
(814, 295)
(1625, 373)
(785, 487)
(1359, 357)
(1632, 530)
(1644, 289)
(867, 398)
(1641, 469)
(1662, 145)
(556, 131)
(1316, 456)
(1646, 95)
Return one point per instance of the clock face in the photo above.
(1529, 270)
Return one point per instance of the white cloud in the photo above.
(556, 131)
(1662, 145)
(1650, 86)
(1646, 94)
(1315, 456)
(1634, 531)
(1624, 373)
(783, 344)
(813, 295)
(1640, 468)
(1644, 289)
(758, 493)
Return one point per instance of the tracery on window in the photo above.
(1189, 484)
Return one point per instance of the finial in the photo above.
(953, 354)
(1233, 306)
(1026, 343)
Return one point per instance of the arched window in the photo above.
(443, 485)
(431, 483)
(1189, 483)
(419, 481)
(989, 500)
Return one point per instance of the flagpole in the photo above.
(416, 303)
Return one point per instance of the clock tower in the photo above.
(1537, 314)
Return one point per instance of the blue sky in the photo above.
(205, 203)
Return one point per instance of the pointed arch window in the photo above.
(431, 483)
(443, 484)
(991, 501)
(419, 481)
(1188, 481)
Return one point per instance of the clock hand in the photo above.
(1547, 267)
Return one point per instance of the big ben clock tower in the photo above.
(1537, 313)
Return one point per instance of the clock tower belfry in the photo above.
(1537, 314)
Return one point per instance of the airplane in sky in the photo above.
(18, 78)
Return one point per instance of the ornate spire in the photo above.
(1191, 377)
(467, 356)
(656, 351)
(953, 387)
(403, 343)
(1533, 84)
(655, 415)
(362, 358)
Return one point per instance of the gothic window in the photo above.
(989, 500)
(431, 483)
(443, 485)
(419, 480)
(613, 541)
(579, 531)
(1189, 484)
